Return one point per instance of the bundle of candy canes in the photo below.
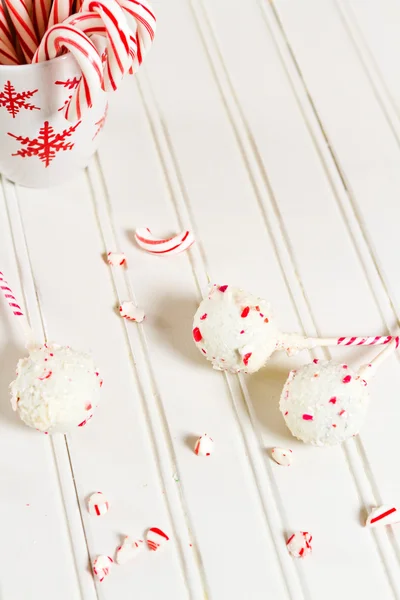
(33, 31)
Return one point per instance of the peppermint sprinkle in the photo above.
(307, 417)
(346, 379)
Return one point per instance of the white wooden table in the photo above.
(272, 131)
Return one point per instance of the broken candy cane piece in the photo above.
(129, 310)
(204, 446)
(282, 456)
(173, 245)
(101, 566)
(156, 538)
(98, 504)
(116, 259)
(128, 550)
(299, 544)
(384, 515)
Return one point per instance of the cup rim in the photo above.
(36, 65)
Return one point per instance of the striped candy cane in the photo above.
(41, 11)
(119, 59)
(91, 23)
(145, 27)
(173, 245)
(5, 32)
(20, 17)
(64, 36)
(60, 10)
(16, 308)
(8, 55)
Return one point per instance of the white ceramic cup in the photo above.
(38, 146)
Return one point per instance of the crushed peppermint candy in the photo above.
(282, 456)
(384, 515)
(116, 259)
(128, 310)
(128, 550)
(156, 538)
(299, 544)
(204, 446)
(98, 504)
(101, 566)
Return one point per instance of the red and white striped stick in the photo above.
(40, 16)
(17, 310)
(60, 10)
(5, 31)
(119, 59)
(8, 55)
(64, 36)
(145, 26)
(293, 343)
(20, 17)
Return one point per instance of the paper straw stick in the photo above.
(368, 371)
(20, 17)
(293, 343)
(17, 310)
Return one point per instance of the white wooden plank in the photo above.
(114, 453)
(196, 144)
(35, 532)
(228, 522)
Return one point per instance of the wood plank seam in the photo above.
(196, 584)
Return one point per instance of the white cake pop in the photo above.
(235, 330)
(56, 389)
(324, 403)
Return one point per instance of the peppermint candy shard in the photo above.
(156, 538)
(98, 504)
(101, 566)
(383, 515)
(299, 544)
(282, 456)
(128, 550)
(204, 446)
(116, 259)
(173, 245)
(128, 310)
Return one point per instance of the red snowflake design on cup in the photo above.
(14, 101)
(68, 84)
(46, 145)
(100, 123)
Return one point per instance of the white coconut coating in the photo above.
(235, 330)
(324, 403)
(56, 389)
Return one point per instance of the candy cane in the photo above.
(60, 10)
(40, 16)
(91, 23)
(178, 243)
(383, 515)
(17, 310)
(145, 21)
(119, 58)
(19, 15)
(5, 31)
(86, 55)
(8, 55)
